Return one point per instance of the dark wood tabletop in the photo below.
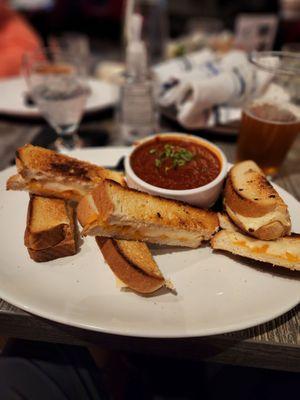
(274, 345)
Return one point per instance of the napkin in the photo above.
(178, 67)
(209, 82)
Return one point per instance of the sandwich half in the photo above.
(50, 230)
(133, 264)
(111, 210)
(253, 204)
(47, 173)
(283, 252)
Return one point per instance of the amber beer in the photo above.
(266, 134)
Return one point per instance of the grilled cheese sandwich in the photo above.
(45, 172)
(114, 211)
(284, 252)
(253, 204)
(50, 230)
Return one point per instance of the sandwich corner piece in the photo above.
(132, 264)
(253, 204)
(50, 229)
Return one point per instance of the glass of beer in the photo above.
(271, 114)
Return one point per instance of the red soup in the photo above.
(175, 164)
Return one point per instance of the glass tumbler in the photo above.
(271, 115)
(60, 91)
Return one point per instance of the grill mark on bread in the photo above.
(184, 206)
(265, 185)
(120, 213)
(72, 169)
(240, 201)
(106, 208)
(46, 173)
(256, 209)
(32, 161)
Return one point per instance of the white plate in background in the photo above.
(103, 95)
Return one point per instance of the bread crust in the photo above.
(248, 208)
(42, 239)
(86, 211)
(245, 181)
(66, 248)
(103, 201)
(270, 231)
(55, 242)
(251, 185)
(121, 265)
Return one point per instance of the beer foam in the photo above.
(277, 98)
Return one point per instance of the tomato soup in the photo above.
(175, 164)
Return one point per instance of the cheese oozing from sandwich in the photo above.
(254, 223)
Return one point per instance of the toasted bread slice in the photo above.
(253, 204)
(139, 254)
(63, 249)
(48, 173)
(133, 265)
(50, 231)
(226, 223)
(284, 252)
(114, 211)
(250, 193)
(48, 221)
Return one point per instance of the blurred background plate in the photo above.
(12, 100)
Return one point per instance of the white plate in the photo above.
(216, 293)
(12, 91)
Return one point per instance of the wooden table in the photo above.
(275, 345)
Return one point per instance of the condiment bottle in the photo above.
(137, 108)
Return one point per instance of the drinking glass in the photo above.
(271, 116)
(75, 45)
(59, 89)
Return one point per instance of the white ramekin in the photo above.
(203, 196)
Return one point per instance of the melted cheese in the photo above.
(257, 222)
(291, 257)
(261, 249)
(120, 284)
(60, 187)
(271, 248)
(149, 233)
